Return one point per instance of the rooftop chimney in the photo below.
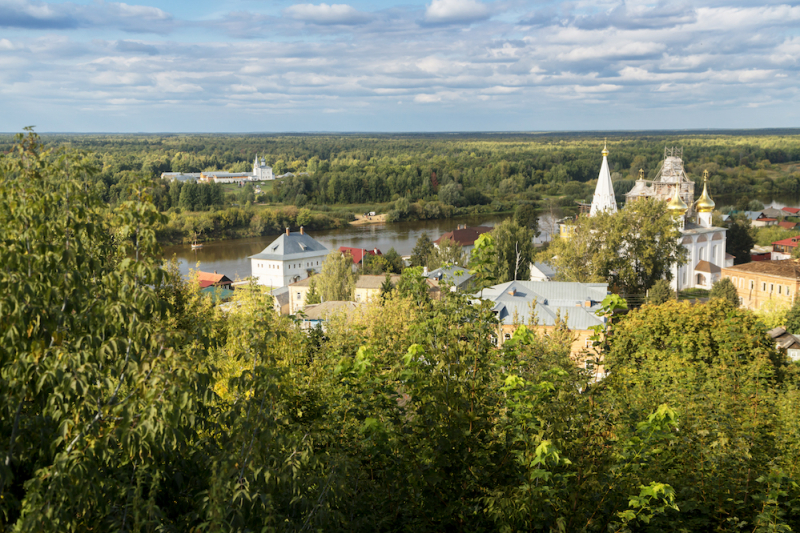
(512, 292)
(301, 230)
(287, 231)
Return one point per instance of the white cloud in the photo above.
(325, 14)
(456, 11)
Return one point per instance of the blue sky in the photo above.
(441, 65)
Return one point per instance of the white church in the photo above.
(704, 242)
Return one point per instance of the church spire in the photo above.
(604, 199)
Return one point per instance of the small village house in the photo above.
(762, 281)
(538, 304)
(457, 277)
(358, 255)
(783, 248)
(319, 314)
(368, 287)
(464, 236)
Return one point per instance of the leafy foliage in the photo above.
(660, 292)
(726, 290)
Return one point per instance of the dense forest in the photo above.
(131, 403)
(417, 176)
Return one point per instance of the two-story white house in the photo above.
(291, 257)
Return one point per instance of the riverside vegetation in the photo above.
(129, 402)
(412, 176)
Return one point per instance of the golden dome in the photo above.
(704, 204)
(677, 206)
(605, 150)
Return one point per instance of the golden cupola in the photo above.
(704, 204)
(676, 205)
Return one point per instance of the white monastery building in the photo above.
(261, 172)
(704, 242)
(290, 258)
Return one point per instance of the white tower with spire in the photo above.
(604, 199)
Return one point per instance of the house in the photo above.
(542, 272)
(787, 225)
(791, 211)
(358, 254)
(289, 258)
(760, 253)
(783, 248)
(464, 236)
(759, 220)
(458, 277)
(207, 279)
(217, 294)
(539, 304)
(180, 176)
(761, 281)
(225, 177)
(317, 314)
(368, 287)
(786, 342)
(771, 212)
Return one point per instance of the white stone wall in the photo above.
(281, 273)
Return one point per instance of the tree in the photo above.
(451, 194)
(726, 290)
(448, 252)
(394, 261)
(483, 262)
(386, 287)
(660, 292)
(337, 279)
(514, 248)
(422, 251)
(313, 297)
(792, 320)
(526, 216)
(632, 248)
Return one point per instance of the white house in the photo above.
(291, 257)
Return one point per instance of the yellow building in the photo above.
(761, 281)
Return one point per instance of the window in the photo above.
(787, 290)
(763, 286)
(779, 289)
(714, 254)
(771, 287)
(752, 284)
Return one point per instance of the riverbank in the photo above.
(374, 219)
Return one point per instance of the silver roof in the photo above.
(452, 274)
(553, 298)
(296, 245)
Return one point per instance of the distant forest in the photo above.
(420, 176)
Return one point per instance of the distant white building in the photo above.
(290, 258)
(604, 199)
(261, 171)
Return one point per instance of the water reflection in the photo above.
(230, 257)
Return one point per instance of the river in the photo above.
(230, 257)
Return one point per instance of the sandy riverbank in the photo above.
(362, 220)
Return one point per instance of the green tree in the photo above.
(313, 297)
(448, 252)
(660, 292)
(740, 239)
(514, 248)
(386, 287)
(483, 262)
(526, 216)
(98, 389)
(337, 279)
(632, 248)
(726, 290)
(792, 320)
(422, 251)
(394, 261)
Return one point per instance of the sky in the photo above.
(245, 66)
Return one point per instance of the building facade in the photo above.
(762, 281)
(289, 258)
(261, 171)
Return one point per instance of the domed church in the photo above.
(704, 242)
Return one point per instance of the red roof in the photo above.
(791, 242)
(792, 210)
(765, 219)
(787, 225)
(358, 253)
(464, 236)
(214, 279)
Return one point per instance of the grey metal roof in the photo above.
(553, 298)
(452, 274)
(296, 245)
(690, 228)
(546, 269)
